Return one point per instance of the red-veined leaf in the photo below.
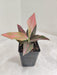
(31, 24)
(38, 37)
(20, 29)
(16, 35)
(27, 47)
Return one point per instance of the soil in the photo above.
(35, 48)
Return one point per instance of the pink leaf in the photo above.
(38, 37)
(16, 35)
(27, 47)
(31, 24)
(20, 29)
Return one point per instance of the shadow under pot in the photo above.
(30, 58)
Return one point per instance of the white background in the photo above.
(13, 12)
(10, 15)
(46, 14)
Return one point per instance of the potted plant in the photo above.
(28, 46)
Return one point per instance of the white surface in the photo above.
(46, 14)
(46, 63)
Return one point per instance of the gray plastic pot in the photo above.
(30, 58)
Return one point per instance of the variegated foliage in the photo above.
(27, 37)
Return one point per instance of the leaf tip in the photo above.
(33, 14)
(48, 39)
(17, 25)
(3, 34)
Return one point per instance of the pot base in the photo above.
(29, 59)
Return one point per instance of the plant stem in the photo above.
(28, 39)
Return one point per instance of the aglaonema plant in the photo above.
(26, 38)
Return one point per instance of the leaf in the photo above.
(33, 32)
(27, 47)
(16, 35)
(38, 37)
(31, 24)
(27, 32)
(22, 42)
(20, 29)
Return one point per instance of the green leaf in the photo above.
(38, 37)
(31, 24)
(16, 35)
(27, 47)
